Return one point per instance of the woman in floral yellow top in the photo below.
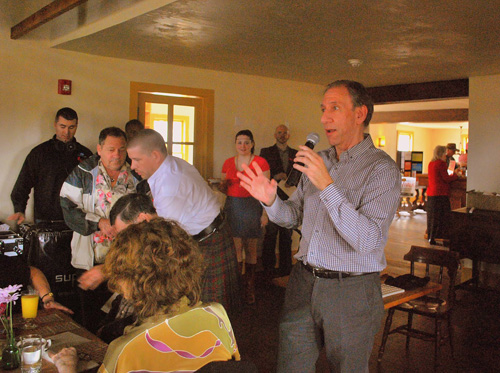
(158, 267)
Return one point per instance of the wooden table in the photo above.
(392, 300)
(53, 322)
(397, 299)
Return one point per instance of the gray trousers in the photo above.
(342, 315)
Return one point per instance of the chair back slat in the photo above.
(444, 259)
(419, 254)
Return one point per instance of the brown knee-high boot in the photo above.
(250, 283)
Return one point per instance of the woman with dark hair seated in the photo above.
(158, 267)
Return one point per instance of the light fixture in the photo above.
(381, 141)
(354, 62)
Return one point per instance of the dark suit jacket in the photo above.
(272, 156)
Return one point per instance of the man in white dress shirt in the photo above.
(180, 193)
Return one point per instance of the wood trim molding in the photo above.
(44, 15)
(420, 91)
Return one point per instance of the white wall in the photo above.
(389, 131)
(483, 163)
(29, 101)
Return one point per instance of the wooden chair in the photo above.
(435, 307)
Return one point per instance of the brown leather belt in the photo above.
(326, 273)
(215, 226)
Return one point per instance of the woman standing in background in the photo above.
(438, 191)
(245, 214)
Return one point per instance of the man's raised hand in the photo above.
(257, 184)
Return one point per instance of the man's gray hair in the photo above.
(359, 96)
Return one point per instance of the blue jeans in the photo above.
(342, 315)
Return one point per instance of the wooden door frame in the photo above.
(205, 137)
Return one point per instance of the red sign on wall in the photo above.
(64, 87)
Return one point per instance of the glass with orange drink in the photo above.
(29, 305)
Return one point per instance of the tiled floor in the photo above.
(476, 322)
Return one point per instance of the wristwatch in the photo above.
(49, 294)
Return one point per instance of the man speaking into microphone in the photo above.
(345, 201)
(294, 176)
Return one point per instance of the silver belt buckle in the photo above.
(314, 272)
(208, 235)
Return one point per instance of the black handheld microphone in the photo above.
(294, 175)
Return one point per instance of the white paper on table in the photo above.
(86, 365)
(67, 339)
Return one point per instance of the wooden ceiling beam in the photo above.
(420, 91)
(421, 116)
(44, 15)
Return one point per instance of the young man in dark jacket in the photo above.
(45, 169)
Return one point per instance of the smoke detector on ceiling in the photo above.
(354, 62)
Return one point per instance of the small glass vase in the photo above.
(10, 355)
